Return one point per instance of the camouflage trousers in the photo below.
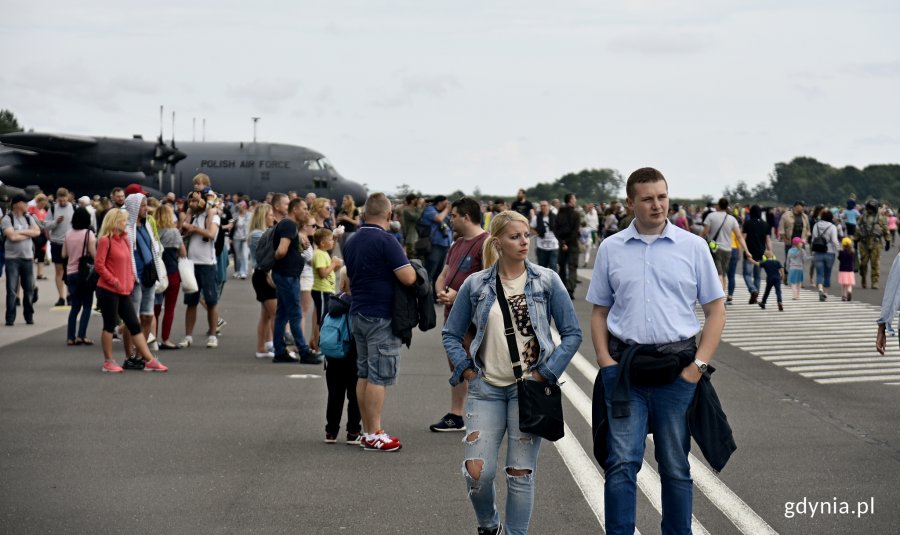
(869, 256)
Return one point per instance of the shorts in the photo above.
(377, 349)
(722, 258)
(206, 281)
(264, 292)
(56, 254)
(142, 299)
(306, 280)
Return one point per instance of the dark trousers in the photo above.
(340, 377)
(434, 263)
(568, 268)
(776, 282)
(82, 300)
(320, 301)
(19, 271)
(114, 307)
(547, 258)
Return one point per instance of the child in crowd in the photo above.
(795, 259)
(340, 375)
(774, 275)
(846, 266)
(324, 267)
(395, 231)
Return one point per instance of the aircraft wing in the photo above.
(13, 156)
(42, 143)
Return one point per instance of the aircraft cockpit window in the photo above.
(313, 165)
(326, 164)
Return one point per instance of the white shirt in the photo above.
(200, 250)
(727, 223)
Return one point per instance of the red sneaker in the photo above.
(111, 367)
(381, 441)
(155, 366)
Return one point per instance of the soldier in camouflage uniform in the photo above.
(871, 232)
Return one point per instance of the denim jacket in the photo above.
(547, 298)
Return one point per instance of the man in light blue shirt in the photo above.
(645, 283)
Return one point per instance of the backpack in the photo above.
(423, 245)
(820, 243)
(265, 250)
(334, 335)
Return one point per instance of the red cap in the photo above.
(135, 188)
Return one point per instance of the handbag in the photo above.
(188, 280)
(87, 275)
(540, 403)
(162, 282)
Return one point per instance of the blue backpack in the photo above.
(334, 334)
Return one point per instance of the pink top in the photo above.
(113, 264)
(892, 222)
(74, 245)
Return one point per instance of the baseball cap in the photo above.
(135, 188)
(797, 240)
(18, 198)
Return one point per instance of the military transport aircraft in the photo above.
(95, 165)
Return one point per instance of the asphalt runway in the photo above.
(227, 443)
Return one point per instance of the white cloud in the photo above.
(661, 44)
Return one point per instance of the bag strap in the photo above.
(450, 280)
(508, 331)
(724, 220)
(87, 234)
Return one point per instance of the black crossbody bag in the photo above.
(540, 404)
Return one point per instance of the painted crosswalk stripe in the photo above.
(829, 342)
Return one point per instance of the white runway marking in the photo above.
(831, 342)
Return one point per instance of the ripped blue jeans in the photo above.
(491, 413)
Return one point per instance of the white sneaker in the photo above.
(212, 342)
(270, 346)
(151, 338)
(154, 345)
(187, 341)
(265, 355)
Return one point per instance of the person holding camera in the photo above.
(201, 228)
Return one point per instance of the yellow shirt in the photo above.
(321, 259)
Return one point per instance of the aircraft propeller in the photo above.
(167, 155)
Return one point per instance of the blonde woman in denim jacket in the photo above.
(535, 295)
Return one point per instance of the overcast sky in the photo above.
(464, 94)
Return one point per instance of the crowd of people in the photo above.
(311, 260)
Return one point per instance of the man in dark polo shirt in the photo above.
(286, 276)
(463, 259)
(374, 260)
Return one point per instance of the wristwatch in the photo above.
(701, 365)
